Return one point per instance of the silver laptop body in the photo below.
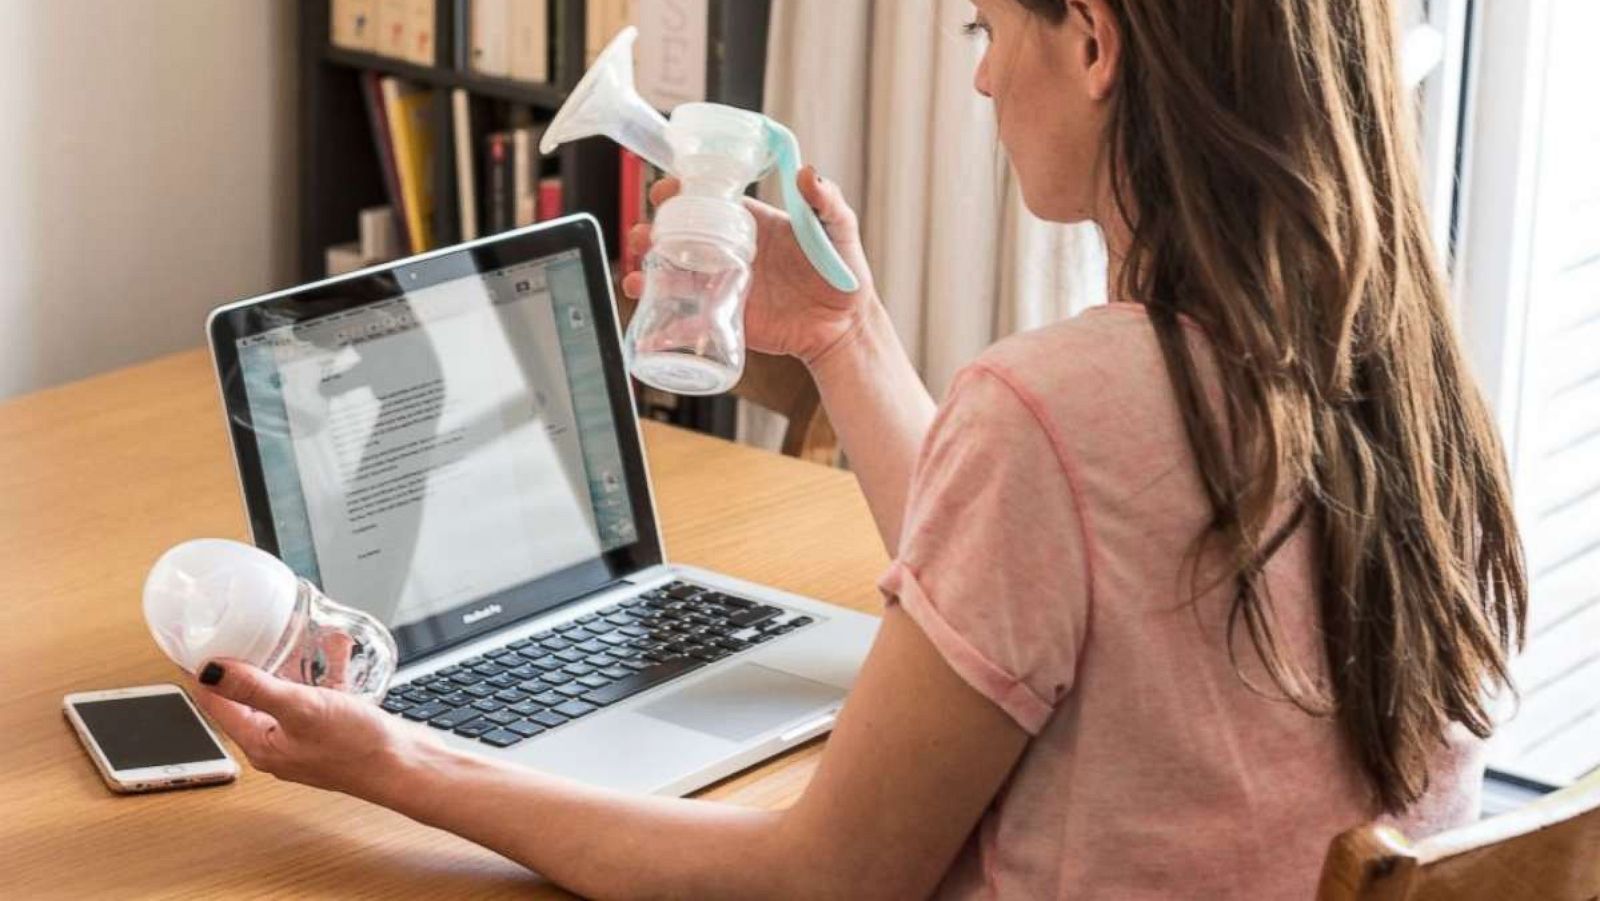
(450, 442)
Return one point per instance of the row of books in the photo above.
(402, 131)
(403, 29)
(520, 39)
(516, 189)
(503, 38)
(501, 180)
(508, 38)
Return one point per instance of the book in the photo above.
(526, 173)
(498, 200)
(377, 234)
(634, 195)
(353, 24)
(461, 35)
(560, 53)
(342, 258)
(550, 199)
(490, 28)
(466, 183)
(672, 51)
(602, 20)
(421, 19)
(411, 133)
(621, 17)
(394, 21)
(378, 120)
(524, 190)
(529, 44)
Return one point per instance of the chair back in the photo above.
(1548, 850)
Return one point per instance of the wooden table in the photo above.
(97, 478)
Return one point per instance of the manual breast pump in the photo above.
(688, 334)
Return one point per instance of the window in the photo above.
(1433, 60)
(1527, 277)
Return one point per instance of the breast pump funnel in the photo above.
(687, 335)
(212, 598)
(605, 104)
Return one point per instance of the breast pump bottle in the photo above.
(687, 335)
(212, 598)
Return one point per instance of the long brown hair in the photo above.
(1265, 151)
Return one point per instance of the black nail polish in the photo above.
(211, 675)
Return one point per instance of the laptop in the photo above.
(450, 443)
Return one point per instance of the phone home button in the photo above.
(173, 769)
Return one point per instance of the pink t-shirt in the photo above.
(1043, 553)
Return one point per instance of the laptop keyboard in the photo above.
(542, 682)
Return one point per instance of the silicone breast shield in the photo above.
(212, 598)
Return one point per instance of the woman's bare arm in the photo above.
(880, 410)
(914, 760)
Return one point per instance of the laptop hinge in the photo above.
(641, 577)
(647, 575)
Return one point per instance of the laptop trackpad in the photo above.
(743, 702)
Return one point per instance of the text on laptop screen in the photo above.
(438, 447)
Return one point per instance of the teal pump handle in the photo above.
(807, 229)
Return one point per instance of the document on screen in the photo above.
(437, 449)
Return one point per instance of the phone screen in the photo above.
(151, 730)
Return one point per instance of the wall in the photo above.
(146, 175)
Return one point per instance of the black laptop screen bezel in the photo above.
(231, 323)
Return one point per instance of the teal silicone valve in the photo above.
(807, 229)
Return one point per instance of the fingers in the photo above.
(663, 189)
(811, 188)
(824, 197)
(284, 701)
(638, 239)
(248, 728)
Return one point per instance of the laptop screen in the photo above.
(429, 452)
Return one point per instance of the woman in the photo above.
(1183, 587)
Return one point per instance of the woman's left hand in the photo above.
(316, 736)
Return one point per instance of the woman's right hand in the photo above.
(315, 736)
(791, 309)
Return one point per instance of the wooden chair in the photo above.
(782, 385)
(1548, 850)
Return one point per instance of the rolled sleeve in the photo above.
(991, 564)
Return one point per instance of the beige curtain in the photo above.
(880, 94)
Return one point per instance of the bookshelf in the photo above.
(536, 96)
(339, 169)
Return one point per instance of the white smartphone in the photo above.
(148, 738)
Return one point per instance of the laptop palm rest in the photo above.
(742, 702)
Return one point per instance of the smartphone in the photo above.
(148, 738)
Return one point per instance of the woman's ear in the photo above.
(1099, 40)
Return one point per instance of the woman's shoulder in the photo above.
(1095, 387)
(1103, 359)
